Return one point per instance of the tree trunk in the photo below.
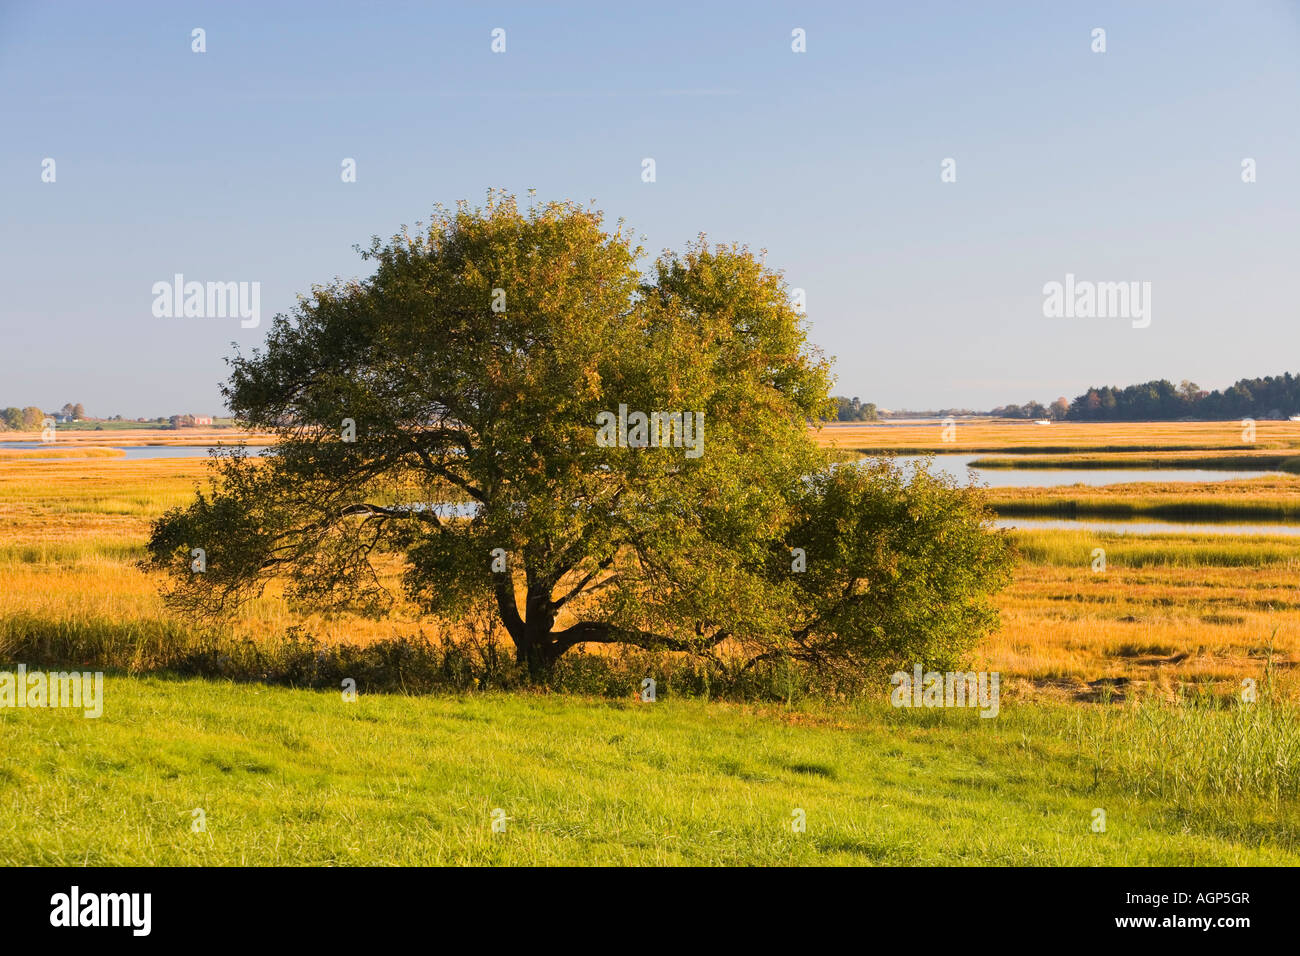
(537, 653)
(533, 632)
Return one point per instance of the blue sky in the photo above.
(225, 165)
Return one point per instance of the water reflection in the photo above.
(958, 467)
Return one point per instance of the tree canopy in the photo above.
(475, 365)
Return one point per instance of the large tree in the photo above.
(478, 363)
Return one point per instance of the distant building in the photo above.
(189, 421)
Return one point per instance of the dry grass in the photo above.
(72, 532)
(1165, 612)
(989, 435)
(1272, 497)
(86, 451)
(131, 437)
(1067, 631)
(1227, 460)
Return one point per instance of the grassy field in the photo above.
(1097, 669)
(1152, 622)
(123, 434)
(1270, 497)
(1007, 435)
(300, 777)
(1218, 461)
(912, 437)
(1168, 609)
(80, 451)
(70, 536)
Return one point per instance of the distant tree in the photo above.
(1240, 399)
(1061, 408)
(11, 419)
(67, 410)
(1086, 406)
(33, 418)
(855, 410)
(78, 412)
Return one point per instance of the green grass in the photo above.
(1167, 508)
(89, 425)
(1071, 548)
(85, 425)
(86, 551)
(300, 777)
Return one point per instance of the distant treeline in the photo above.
(32, 418)
(1274, 396)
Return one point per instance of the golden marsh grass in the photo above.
(1168, 610)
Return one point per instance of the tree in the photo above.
(906, 565)
(78, 411)
(33, 418)
(478, 362)
(854, 409)
(1061, 408)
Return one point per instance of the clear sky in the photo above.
(225, 166)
